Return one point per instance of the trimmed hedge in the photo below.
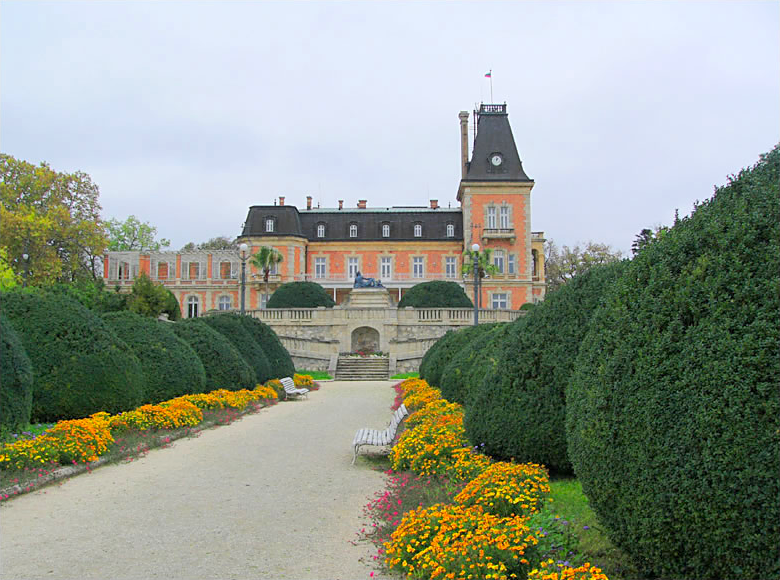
(436, 294)
(464, 374)
(518, 410)
(278, 357)
(441, 352)
(231, 327)
(224, 365)
(80, 366)
(16, 386)
(170, 365)
(300, 295)
(673, 410)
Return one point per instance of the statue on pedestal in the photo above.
(361, 282)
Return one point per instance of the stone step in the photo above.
(366, 369)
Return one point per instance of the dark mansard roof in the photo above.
(289, 221)
(494, 136)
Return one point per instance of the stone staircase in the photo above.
(351, 368)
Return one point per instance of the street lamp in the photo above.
(26, 258)
(475, 266)
(243, 248)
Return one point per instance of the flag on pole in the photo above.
(489, 73)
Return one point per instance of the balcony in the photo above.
(499, 234)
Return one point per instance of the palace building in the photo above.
(401, 246)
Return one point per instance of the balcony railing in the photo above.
(498, 233)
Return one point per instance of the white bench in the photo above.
(291, 390)
(375, 436)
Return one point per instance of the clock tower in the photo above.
(495, 197)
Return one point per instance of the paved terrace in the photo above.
(270, 496)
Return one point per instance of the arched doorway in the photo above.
(365, 339)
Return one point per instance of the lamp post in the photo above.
(243, 248)
(26, 258)
(475, 249)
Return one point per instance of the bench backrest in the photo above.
(287, 383)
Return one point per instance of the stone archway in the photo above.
(365, 338)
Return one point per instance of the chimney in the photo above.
(341, 204)
(281, 200)
(308, 202)
(362, 204)
(434, 204)
(464, 143)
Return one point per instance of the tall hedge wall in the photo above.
(439, 355)
(673, 410)
(224, 365)
(436, 294)
(16, 381)
(170, 365)
(300, 295)
(465, 371)
(278, 357)
(231, 327)
(80, 366)
(518, 409)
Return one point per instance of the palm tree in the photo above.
(485, 267)
(265, 260)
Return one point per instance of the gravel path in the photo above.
(270, 496)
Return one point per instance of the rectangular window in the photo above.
(353, 231)
(417, 267)
(321, 231)
(504, 217)
(511, 264)
(498, 260)
(386, 265)
(319, 268)
(352, 265)
(499, 301)
(450, 230)
(417, 230)
(162, 270)
(193, 270)
(491, 218)
(450, 264)
(269, 225)
(385, 230)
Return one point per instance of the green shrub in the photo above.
(518, 410)
(92, 294)
(16, 386)
(231, 327)
(436, 294)
(467, 368)
(673, 411)
(441, 352)
(300, 295)
(80, 366)
(170, 365)
(224, 365)
(278, 357)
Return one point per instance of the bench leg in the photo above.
(354, 457)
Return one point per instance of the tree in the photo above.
(8, 279)
(562, 265)
(51, 218)
(218, 243)
(150, 299)
(485, 265)
(265, 260)
(133, 235)
(436, 294)
(646, 237)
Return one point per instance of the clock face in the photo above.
(496, 159)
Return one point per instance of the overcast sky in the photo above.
(187, 113)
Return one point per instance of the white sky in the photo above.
(187, 113)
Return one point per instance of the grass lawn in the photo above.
(406, 376)
(570, 503)
(316, 375)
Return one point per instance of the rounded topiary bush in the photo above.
(224, 365)
(436, 294)
(80, 366)
(673, 411)
(16, 386)
(441, 352)
(231, 327)
(300, 295)
(170, 365)
(468, 367)
(518, 410)
(278, 357)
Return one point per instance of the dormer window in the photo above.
(320, 230)
(385, 230)
(353, 230)
(269, 225)
(417, 230)
(450, 230)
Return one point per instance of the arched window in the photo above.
(417, 230)
(353, 230)
(193, 306)
(535, 257)
(385, 230)
(320, 230)
(450, 230)
(225, 303)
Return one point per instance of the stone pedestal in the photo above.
(368, 298)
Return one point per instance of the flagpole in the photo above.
(490, 76)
